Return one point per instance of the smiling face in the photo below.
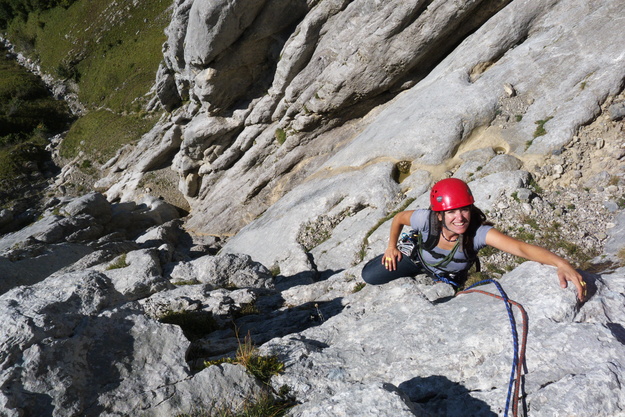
(456, 220)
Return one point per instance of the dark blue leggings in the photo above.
(375, 273)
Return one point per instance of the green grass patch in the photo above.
(540, 127)
(280, 135)
(119, 263)
(112, 49)
(249, 309)
(262, 367)
(532, 222)
(101, 133)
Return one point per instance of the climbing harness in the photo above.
(413, 244)
(518, 360)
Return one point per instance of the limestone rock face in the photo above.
(449, 355)
(297, 128)
(310, 103)
(86, 328)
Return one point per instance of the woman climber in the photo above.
(447, 238)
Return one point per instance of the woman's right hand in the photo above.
(391, 257)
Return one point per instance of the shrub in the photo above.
(540, 127)
(262, 367)
(280, 135)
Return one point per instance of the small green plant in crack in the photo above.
(186, 282)
(540, 127)
(533, 223)
(262, 367)
(535, 186)
(248, 309)
(280, 135)
(528, 143)
(275, 270)
(119, 263)
(359, 286)
(57, 212)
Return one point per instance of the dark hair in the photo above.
(478, 218)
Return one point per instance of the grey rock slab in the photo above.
(616, 239)
(140, 276)
(31, 266)
(214, 26)
(460, 348)
(365, 401)
(72, 348)
(411, 133)
(335, 193)
(93, 204)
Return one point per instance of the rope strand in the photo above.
(518, 360)
(521, 354)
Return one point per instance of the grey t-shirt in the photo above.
(420, 221)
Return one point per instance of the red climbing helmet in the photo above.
(449, 194)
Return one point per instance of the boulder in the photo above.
(94, 205)
(224, 270)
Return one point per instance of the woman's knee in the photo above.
(374, 273)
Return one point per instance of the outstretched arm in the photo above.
(565, 271)
(392, 255)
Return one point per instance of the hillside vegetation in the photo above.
(108, 52)
(28, 113)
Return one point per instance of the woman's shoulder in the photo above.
(480, 235)
(420, 219)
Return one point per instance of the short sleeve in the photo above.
(420, 221)
(479, 241)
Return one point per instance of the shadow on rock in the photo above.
(86, 361)
(442, 397)
(284, 283)
(261, 328)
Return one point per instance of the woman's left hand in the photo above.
(525, 250)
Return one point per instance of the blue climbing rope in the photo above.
(445, 280)
(515, 337)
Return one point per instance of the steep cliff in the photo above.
(295, 129)
(315, 105)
